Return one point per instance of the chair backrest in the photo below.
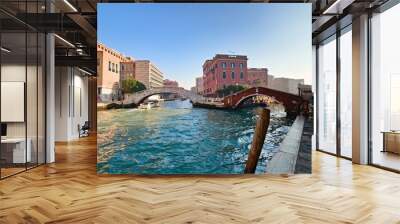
(86, 125)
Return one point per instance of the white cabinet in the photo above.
(19, 155)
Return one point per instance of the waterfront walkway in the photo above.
(284, 161)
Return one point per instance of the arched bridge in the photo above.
(291, 102)
(138, 97)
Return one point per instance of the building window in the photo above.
(241, 75)
(113, 67)
(109, 66)
(223, 64)
(224, 75)
(233, 75)
(116, 68)
(241, 65)
(232, 65)
(122, 67)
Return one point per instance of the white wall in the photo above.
(10, 73)
(71, 102)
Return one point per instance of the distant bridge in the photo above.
(140, 96)
(291, 102)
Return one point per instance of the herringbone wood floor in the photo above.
(70, 191)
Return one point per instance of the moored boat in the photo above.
(149, 105)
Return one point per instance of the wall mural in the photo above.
(204, 89)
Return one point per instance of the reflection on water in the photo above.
(179, 139)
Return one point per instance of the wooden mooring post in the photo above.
(258, 140)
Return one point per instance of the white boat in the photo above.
(149, 105)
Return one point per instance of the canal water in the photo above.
(179, 139)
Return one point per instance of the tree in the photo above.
(230, 90)
(132, 85)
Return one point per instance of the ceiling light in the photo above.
(5, 50)
(86, 72)
(65, 41)
(79, 51)
(334, 5)
(338, 6)
(70, 5)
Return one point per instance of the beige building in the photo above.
(108, 71)
(199, 85)
(147, 73)
(286, 85)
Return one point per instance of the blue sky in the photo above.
(178, 38)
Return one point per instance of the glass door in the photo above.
(327, 96)
(385, 89)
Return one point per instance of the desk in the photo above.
(391, 141)
(18, 150)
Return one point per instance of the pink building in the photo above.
(170, 83)
(222, 71)
(108, 71)
(257, 77)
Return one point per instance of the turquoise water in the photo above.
(179, 139)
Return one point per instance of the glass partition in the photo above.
(385, 89)
(22, 88)
(13, 92)
(346, 93)
(327, 96)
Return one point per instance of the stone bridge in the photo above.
(291, 102)
(138, 97)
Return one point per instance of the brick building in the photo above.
(222, 71)
(170, 83)
(128, 69)
(257, 77)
